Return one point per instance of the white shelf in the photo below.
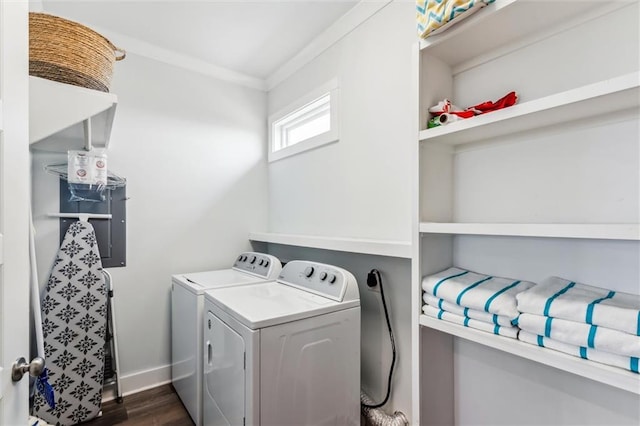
(616, 94)
(352, 245)
(488, 30)
(612, 376)
(57, 113)
(623, 231)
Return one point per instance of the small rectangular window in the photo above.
(306, 124)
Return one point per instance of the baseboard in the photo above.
(138, 382)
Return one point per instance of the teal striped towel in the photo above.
(581, 334)
(486, 293)
(570, 300)
(507, 331)
(628, 363)
(467, 312)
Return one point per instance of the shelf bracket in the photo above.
(88, 145)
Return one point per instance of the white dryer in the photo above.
(187, 300)
(285, 352)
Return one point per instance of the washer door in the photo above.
(224, 374)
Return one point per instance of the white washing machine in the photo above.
(187, 300)
(285, 352)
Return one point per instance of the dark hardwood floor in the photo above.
(153, 407)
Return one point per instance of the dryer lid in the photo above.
(272, 303)
(199, 282)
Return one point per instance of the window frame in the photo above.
(330, 88)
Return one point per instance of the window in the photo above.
(308, 123)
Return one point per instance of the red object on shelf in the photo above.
(506, 101)
(446, 107)
(462, 114)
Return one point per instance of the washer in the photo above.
(187, 300)
(284, 352)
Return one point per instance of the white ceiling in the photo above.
(253, 38)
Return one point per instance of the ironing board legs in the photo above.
(113, 339)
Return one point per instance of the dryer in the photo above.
(284, 352)
(187, 300)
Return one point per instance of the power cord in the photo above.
(374, 278)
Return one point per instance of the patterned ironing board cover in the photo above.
(74, 310)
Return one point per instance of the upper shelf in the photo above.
(505, 23)
(352, 245)
(616, 94)
(61, 114)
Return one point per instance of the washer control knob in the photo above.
(332, 279)
(308, 271)
(266, 263)
(253, 259)
(244, 258)
(323, 276)
(239, 259)
(261, 262)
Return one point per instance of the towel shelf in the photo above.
(611, 376)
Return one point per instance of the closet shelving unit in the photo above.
(491, 189)
(65, 117)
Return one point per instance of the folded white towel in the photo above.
(481, 292)
(581, 334)
(467, 312)
(560, 298)
(468, 322)
(628, 363)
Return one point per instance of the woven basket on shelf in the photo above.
(68, 52)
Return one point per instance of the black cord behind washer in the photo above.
(372, 278)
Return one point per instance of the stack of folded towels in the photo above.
(589, 322)
(474, 300)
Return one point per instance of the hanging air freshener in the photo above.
(87, 175)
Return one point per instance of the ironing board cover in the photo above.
(74, 310)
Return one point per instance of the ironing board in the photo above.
(74, 311)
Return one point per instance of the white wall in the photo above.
(360, 186)
(193, 151)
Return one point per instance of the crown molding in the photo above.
(167, 56)
(334, 33)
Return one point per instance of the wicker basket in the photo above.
(67, 52)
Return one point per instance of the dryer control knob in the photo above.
(261, 262)
(239, 258)
(266, 263)
(253, 259)
(308, 271)
(323, 276)
(332, 279)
